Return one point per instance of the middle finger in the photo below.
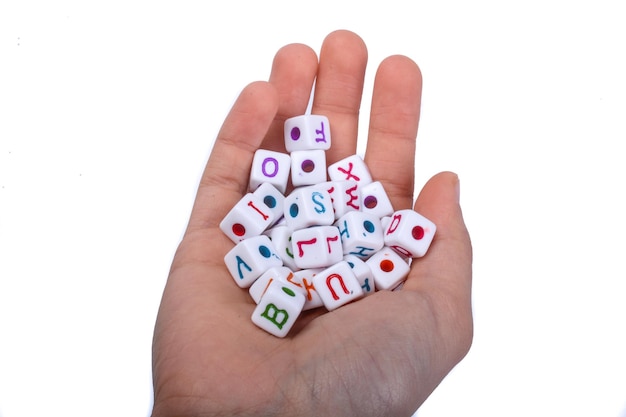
(338, 90)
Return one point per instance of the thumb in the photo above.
(445, 272)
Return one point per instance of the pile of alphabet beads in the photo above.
(332, 240)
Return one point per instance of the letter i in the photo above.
(251, 204)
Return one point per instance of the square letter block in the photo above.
(409, 233)
(280, 274)
(307, 132)
(361, 234)
(308, 167)
(249, 217)
(385, 222)
(316, 247)
(375, 201)
(250, 258)
(352, 168)
(308, 206)
(281, 238)
(278, 309)
(345, 195)
(272, 198)
(337, 285)
(388, 268)
(304, 277)
(363, 273)
(272, 167)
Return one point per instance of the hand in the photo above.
(382, 355)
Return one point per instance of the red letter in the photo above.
(332, 290)
(394, 223)
(265, 216)
(331, 239)
(304, 242)
(349, 172)
(401, 250)
(353, 197)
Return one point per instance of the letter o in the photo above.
(266, 161)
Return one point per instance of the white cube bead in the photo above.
(409, 233)
(273, 199)
(361, 234)
(308, 167)
(278, 309)
(281, 274)
(304, 277)
(351, 168)
(337, 285)
(316, 247)
(374, 200)
(281, 238)
(272, 167)
(388, 268)
(308, 206)
(249, 217)
(384, 221)
(250, 258)
(306, 132)
(345, 196)
(363, 273)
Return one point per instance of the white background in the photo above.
(107, 115)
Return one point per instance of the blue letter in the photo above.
(239, 263)
(321, 208)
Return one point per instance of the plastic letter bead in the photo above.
(345, 196)
(316, 247)
(375, 201)
(307, 132)
(272, 198)
(337, 285)
(363, 273)
(352, 168)
(280, 274)
(272, 167)
(308, 206)
(278, 309)
(304, 277)
(334, 239)
(281, 238)
(409, 233)
(249, 217)
(361, 234)
(388, 268)
(250, 258)
(308, 167)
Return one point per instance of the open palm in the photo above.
(382, 355)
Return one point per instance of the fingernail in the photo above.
(457, 189)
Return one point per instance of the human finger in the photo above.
(293, 72)
(225, 178)
(444, 275)
(394, 119)
(338, 90)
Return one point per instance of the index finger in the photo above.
(225, 178)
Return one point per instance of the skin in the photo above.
(382, 355)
